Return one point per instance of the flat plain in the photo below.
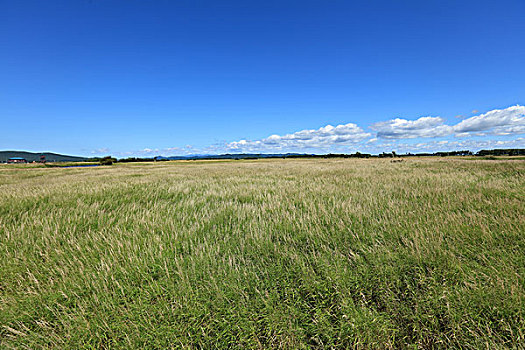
(340, 253)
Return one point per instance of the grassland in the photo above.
(426, 253)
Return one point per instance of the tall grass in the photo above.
(289, 254)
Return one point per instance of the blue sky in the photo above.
(137, 77)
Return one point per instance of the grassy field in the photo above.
(426, 253)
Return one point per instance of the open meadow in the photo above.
(340, 253)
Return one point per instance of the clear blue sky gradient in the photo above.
(80, 75)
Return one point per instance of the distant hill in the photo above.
(30, 156)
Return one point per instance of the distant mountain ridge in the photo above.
(35, 157)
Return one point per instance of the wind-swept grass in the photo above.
(264, 254)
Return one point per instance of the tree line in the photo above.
(393, 154)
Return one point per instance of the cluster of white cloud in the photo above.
(351, 137)
(322, 138)
(508, 121)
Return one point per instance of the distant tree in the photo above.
(107, 160)
(502, 152)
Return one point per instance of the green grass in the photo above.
(295, 254)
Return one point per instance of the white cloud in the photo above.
(148, 151)
(322, 138)
(100, 150)
(508, 121)
(409, 129)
